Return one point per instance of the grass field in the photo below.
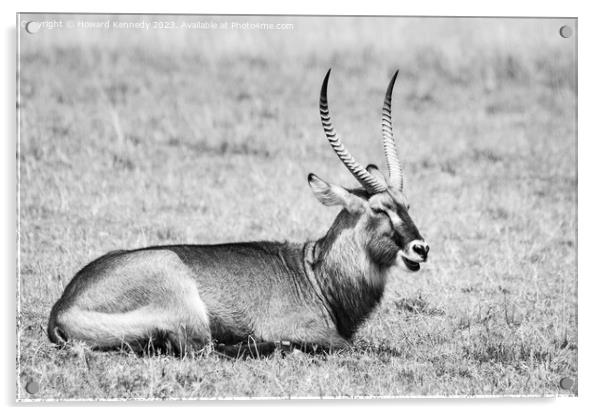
(130, 139)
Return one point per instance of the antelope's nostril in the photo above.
(421, 249)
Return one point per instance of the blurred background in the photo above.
(183, 134)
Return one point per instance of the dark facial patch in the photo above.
(408, 232)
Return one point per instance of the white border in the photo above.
(589, 188)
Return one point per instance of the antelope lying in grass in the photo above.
(183, 297)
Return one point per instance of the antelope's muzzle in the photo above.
(420, 248)
(417, 252)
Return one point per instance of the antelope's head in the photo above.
(377, 212)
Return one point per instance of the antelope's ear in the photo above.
(374, 171)
(333, 195)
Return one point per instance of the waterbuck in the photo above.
(183, 297)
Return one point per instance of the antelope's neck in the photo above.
(351, 284)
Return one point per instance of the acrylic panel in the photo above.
(237, 206)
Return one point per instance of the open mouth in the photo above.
(411, 265)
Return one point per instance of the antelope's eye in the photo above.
(378, 211)
(407, 207)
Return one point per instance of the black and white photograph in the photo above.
(295, 206)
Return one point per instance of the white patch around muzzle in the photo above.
(415, 253)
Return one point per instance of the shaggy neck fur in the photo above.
(350, 281)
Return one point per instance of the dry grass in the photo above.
(201, 137)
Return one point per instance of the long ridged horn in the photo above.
(370, 183)
(395, 172)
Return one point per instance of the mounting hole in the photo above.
(566, 31)
(33, 27)
(32, 387)
(566, 383)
